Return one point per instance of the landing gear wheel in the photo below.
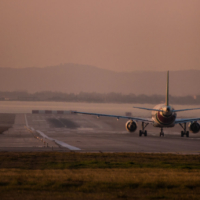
(140, 133)
(182, 134)
(145, 133)
(161, 132)
(187, 134)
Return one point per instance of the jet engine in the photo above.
(131, 126)
(194, 127)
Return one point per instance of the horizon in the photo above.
(84, 65)
(70, 79)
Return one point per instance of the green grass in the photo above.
(99, 176)
(56, 160)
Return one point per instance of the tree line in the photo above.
(96, 97)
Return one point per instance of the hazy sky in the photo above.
(121, 35)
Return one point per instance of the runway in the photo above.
(81, 133)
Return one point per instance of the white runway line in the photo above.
(63, 144)
(39, 120)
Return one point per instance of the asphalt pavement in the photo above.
(81, 133)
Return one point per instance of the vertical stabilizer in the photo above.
(167, 90)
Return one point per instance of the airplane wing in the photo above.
(178, 121)
(148, 120)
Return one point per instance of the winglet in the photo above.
(167, 90)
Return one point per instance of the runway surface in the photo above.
(83, 133)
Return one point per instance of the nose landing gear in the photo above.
(162, 133)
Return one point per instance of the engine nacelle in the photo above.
(194, 127)
(131, 126)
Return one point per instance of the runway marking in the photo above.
(85, 129)
(63, 144)
(37, 120)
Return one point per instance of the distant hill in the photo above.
(72, 78)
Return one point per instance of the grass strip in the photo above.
(99, 176)
(57, 160)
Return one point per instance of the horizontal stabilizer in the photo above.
(186, 109)
(147, 109)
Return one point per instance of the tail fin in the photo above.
(167, 90)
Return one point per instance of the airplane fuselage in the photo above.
(165, 117)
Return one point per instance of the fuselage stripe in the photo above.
(165, 120)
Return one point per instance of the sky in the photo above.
(118, 35)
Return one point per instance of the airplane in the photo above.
(163, 116)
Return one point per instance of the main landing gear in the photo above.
(143, 131)
(161, 132)
(184, 132)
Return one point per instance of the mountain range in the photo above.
(74, 78)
